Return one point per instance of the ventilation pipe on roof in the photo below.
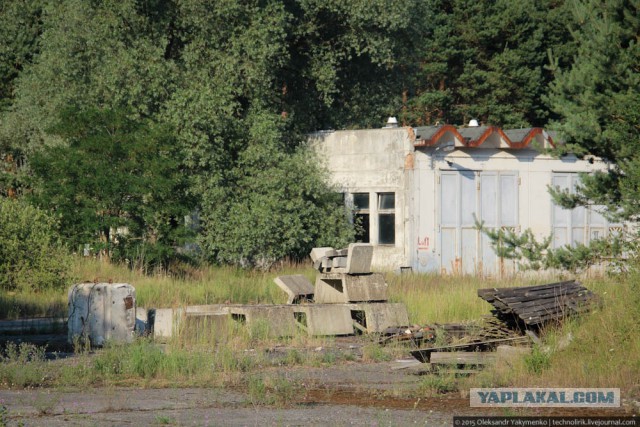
(473, 123)
(392, 122)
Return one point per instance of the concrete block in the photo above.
(317, 253)
(324, 319)
(376, 317)
(206, 327)
(297, 287)
(102, 312)
(339, 262)
(359, 258)
(165, 322)
(332, 288)
(277, 320)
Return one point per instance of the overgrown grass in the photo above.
(599, 349)
(186, 286)
(432, 298)
(603, 352)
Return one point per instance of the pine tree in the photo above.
(598, 101)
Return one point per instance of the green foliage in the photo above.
(279, 207)
(532, 254)
(598, 101)
(537, 361)
(32, 257)
(522, 247)
(114, 174)
(487, 60)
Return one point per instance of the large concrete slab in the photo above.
(277, 320)
(297, 287)
(205, 327)
(165, 322)
(332, 288)
(324, 319)
(376, 317)
(359, 258)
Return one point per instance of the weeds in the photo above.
(164, 420)
(275, 390)
(537, 361)
(438, 384)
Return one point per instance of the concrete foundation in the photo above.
(376, 317)
(277, 320)
(324, 319)
(343, 288)
(206, 327)
(297, 287)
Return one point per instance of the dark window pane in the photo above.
(387, 227)
(386, 201)
(362, 228)
(361, 200)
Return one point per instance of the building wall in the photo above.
(374, 161)
(385, 161)
(531, 172)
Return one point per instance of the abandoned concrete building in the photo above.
(418, 192)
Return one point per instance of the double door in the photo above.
(468, 198)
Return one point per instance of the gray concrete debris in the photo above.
(359, 258)
(271, 320)
(102, 311)
(318, 253)
(324, 319)
(332, 288)
(356, 259)
(298, 288)
(165, 322)
(377, 317)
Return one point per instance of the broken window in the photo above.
(361, 216)
(386, 218)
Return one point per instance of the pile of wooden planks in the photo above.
(536, 305)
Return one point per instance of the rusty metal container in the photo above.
(101, 312)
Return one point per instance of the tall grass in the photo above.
(432, 298)
(204, 285)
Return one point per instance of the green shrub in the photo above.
(32, 256)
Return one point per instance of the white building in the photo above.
(418, 192)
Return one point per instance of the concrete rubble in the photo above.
(347, 298)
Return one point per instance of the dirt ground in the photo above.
(351, 393)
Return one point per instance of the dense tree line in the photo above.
(139, 113)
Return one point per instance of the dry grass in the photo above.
(432, 298)
(603, 353)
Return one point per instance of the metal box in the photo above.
(102, 312)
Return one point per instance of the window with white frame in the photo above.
(581, 224)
